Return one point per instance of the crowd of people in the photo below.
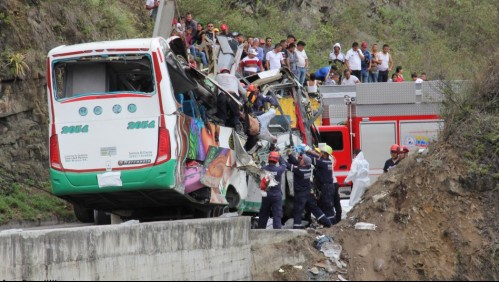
(357, 65)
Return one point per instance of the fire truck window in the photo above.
(333, 139)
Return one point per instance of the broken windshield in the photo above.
(103, 75)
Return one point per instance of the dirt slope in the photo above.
(437, 214)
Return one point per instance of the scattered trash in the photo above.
(288, 224)
(314, 271)
(326, 266)
(320, 240)
(280, 270)
(365, 226)
(341, 278)
(11, 231)
(380, 196)
(343, 264)
(331, 250)
(378, 264)
(299, 267)
(130, 222)
(338, 264)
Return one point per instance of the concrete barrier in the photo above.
(208, 249)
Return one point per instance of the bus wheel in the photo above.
(101, 218)
(83, 215)
(233, 198)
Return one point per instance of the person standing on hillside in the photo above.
(366, 63)
(349, 79)
(302, 63)
(400, 74)
(292, 59)
(375, 62)
(190, 22)
(250, 65)
(416, 79)
(386, 65)
(394, 160)
(267, 48)
(359, 175)
(152, 6)
(274, 58)
(336, 58)
(273, 200)
(259, 50)
(353, 60)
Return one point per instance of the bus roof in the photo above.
(128, 45)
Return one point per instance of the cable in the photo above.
(3, 174)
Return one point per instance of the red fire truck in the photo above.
(374, 116)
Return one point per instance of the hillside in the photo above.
(28, 30)
(441, 38)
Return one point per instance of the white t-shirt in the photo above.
(354, 60)
(302, 57)
(274, 59)
(150, 3)
(333, 57)
(419, 80)
(385, 60)
(352, 81)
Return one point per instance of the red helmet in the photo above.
(224, 27)
(395, 148)
(274, 157)
(251, 87)
(405, 149)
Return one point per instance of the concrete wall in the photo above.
(208, 249)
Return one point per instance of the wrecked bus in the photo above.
(133, 133)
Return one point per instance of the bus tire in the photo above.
(101, 218)
(232, 198)
(83, 215)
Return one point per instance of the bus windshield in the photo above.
(103, 75)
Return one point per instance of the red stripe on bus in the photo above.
(107, 96)
(49, 86)
(72, 53)
(159, 78)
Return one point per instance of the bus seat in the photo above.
(86, 79)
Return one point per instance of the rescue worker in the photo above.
(359, 175)
(324, 175)
(394, 160)
(302, 176)
(404, 152)
(273, 200)
(257, 102)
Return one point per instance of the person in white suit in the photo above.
(359, 175)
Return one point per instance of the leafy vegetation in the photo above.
(451, 39)
(21, 202)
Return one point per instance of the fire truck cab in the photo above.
(373, 116)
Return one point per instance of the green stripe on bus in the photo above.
(156, 177)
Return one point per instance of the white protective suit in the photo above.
(359, 175)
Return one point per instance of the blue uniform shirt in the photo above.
(323, 169)
(277, 172)
(302, 175)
